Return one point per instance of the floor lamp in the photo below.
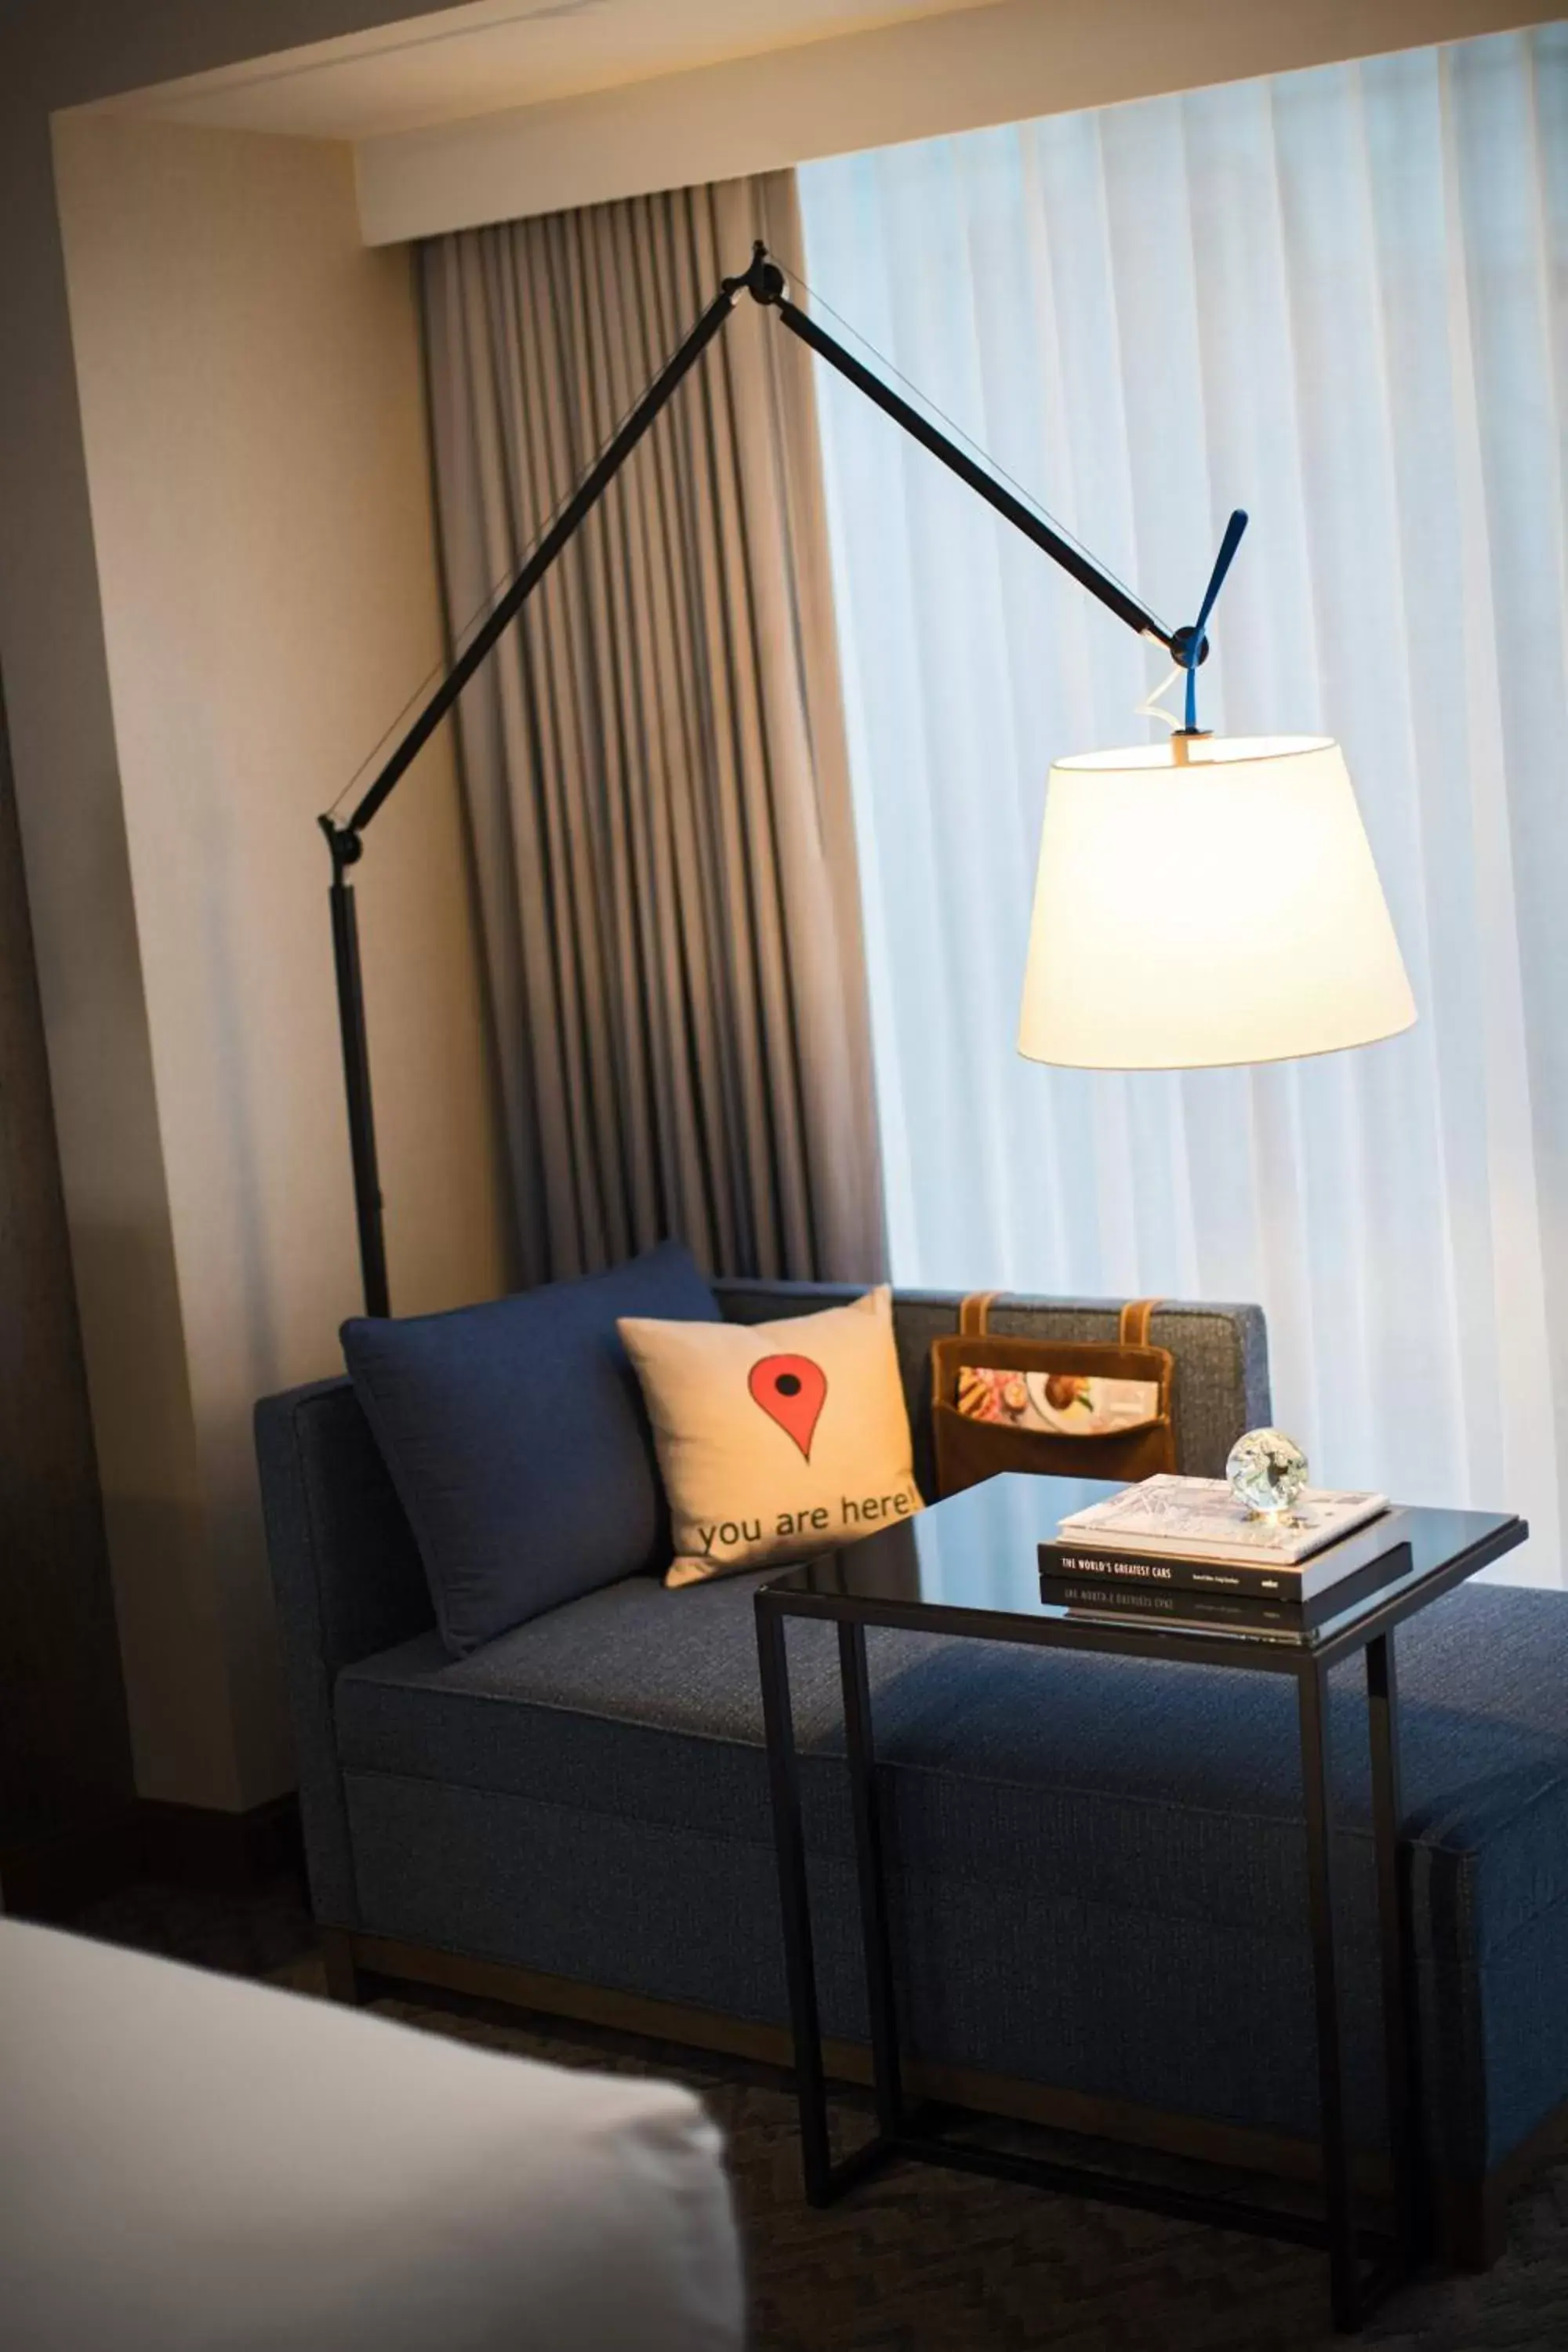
(1220, 895)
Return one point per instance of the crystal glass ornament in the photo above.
(1267, 1471)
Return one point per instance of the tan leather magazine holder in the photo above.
(969, 1450)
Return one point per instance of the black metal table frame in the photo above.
(913, 2135)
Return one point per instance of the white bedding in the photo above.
(191, 2161)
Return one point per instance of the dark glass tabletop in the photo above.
(975, 1557)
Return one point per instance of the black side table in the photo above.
(968, 1567)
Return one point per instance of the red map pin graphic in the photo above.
(791, 1390)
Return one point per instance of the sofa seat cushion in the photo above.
(1169, 1791)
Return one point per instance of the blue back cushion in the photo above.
(516, 1436)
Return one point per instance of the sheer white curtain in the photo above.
(1337, 298)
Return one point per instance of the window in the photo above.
(1337, 298)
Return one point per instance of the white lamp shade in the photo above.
(1224, 909)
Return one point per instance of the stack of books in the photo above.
(1184, 1550)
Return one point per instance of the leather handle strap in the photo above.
(974, 1314)
(974, 1318)
(974, 1321)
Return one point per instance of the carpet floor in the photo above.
(919, 2260)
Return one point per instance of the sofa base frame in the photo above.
(1469, 2216)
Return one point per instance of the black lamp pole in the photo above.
(764, 282)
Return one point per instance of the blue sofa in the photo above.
(1099, 1863)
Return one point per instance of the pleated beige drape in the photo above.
(654, 759)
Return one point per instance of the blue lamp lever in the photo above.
(1191, 646)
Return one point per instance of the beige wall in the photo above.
(251, 399)
(1003, 63)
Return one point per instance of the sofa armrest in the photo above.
(349, 1582)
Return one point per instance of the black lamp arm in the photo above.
(345, 842)
(764, 282)
(584, 499)
(1061, 551)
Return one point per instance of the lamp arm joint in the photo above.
(345, 843)
(763, 280)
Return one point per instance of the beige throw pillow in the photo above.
(776, 1440)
